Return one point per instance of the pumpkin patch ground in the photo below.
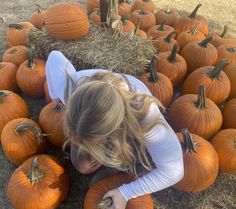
(220, 195)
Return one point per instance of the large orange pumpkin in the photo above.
(224, 143)
(22, 138)
(97, 191)
(170, 16)
(39, 183)
(67, 21)
(229, 114)
(200, 163)
(161, 30)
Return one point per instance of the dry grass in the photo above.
(220, 196)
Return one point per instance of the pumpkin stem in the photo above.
(142, 12)
(3, 93)
(20, 129)
(168, 10)
(59, 107)
(231, 49)
(12, 51)
(30, 58)
(153, 73)
(225, 32)
(194, 12)
(103, 10)
(215, 73)
(204, 42)
(16, 26)
(172, 57)
(235, 143)
(161, 27)
(201, 101)
(35, 175)
(188, 145)
(124, 18)
(105, 203)
(167, 39)
(194, 29)
(137, 25)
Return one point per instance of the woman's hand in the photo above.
(118, 201)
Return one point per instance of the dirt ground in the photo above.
(220, 196)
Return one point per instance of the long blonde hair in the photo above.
(105, 120)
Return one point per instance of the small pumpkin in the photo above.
(230, 71)
(228, 52)
(11, 106)
(200, 163)
(51, 121)
(127, 25)
(224, 143)
(92, 4)
(214, 79)
(94, 196)
(198, 54)
(16, 55)
(139, 32)
(95, 16)
(22, 138)
(170, 16)
(124, 8)
(229, 114)
(37, 18)
(46, 92)
(197, 113)
(147, 5)
(67, 21)
(8, 76)
(172, 65)
(38, 183)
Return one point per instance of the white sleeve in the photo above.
(165, 151)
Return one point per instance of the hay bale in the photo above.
(102, 48)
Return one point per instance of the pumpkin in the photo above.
(139, 32)
(228, 52)
(165, 44)
(11, 106)
(37, 18)
(51, 121)
(15, 54)
(216, 82)
(159, 85)
(147, 19)
(46, 92)
(67, 21)
(92, 4)
(172, 65)
(8, 76)
(95, 16)
(16, 34)
(170, 16)
(229, 114)
(124, 8)
(224, 143)
(188, 36)
(158, 31)
(31, 76)
(94, 196)
(230, 71)
(127, 25)
(186, 22)
(200, 115)
(198, 54)
(38, 183)
(147, 5)
(22, 138)
(222, 38)
(200, 163)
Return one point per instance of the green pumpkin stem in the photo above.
(188, 145)
(153, 72)
(103, 10)
(231, 50)
(215, 73)
(59, 107)
(34, 175)
(204, 42)
(201, 101)
(20, 129)
(142, 11)
(3, 93)
(124, 18)
(137, 25)
(161, 27)
(172, 57)
(167, 39)
(194, 12)
(16, 26)
(193, 30)
(104, 204)
(225, 32)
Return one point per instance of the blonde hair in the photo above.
(105, 120)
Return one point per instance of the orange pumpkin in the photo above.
(38, 183)
(216, 82)
(228, 52)
(95, 193)
(22, 138)
(37, 18)
(229, 114)
(51, 121)
(147, 5)
(92, 4)
(128, 26)
(15, 54)
(230, 71)
(46, 92)
(138, 32)
(95, 16)
(67, 21)
(200, 163)
(197, 113)
(224, 143)
(11, 106)
(8, 76)
(170, 16)
(124, 8)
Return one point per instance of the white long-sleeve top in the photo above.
(161, 142)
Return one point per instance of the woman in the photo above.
(113, 121)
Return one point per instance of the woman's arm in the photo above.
(165, 151)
